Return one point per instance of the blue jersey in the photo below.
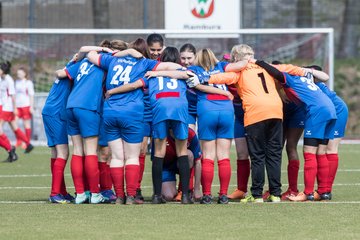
(87, 92)
(168, 99)
(302, 89)
(147, 106)
(58, 95)
(122, 71)
(211, 102)
(336, 100)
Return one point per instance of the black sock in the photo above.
(156, 170)
(184, 171)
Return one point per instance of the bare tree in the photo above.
(350, 33)
(100, 17)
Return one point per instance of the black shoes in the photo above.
(29, 148)
(156, 199)
(12, 155)
(186, 199)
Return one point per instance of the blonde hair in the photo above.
(118, 45)
(206, 59)
(241, 52)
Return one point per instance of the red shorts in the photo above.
(24, 113)
(7, 116)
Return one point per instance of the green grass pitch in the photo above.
(25, 213)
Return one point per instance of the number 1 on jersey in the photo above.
(262, 77)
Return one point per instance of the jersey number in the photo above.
(310, 84)
(173, 84)
(122, 75)
(262, 77)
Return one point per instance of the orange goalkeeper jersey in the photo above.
(257, 90)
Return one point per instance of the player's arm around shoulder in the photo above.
(125, 88)
(224, 78)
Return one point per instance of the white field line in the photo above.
(231, 203)
(148, 187)
(69, 175)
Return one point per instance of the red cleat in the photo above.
(266, 195)
(289, 193)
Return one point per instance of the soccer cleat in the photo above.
(330, 195)
(223, 199)
(285, 196)
(250, 199)
(157, 199)
(316, 196)
(266, 195)
(29, 148)
(12, 155)
(178, 196)
(69, 197)
(109, 196)
(139, 196)
(237, 194)
(274, 199)
(206, 199)
(301, 197)
(186, 199)
(130, 200)
(81, 198)
(120, 200)
(58, 199)
(97, 198)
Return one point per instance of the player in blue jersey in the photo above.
(55, 125)
(187, 58)
(155, 43)
(83, 110)
(319, 124)
(215, 124)
(125, 134)
(171, 165)
(332, 147)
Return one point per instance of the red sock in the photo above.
(224, 175)
(5, 143)
(293, 172)
(20, 135)
(310, 171)
(85, 180)
(77, 170)
(92, 172)
(191, 182)
(243, 173)
(141, 168)
(57, 176)
(132, 179)
(333, 166)
(28, 133)
(207, 175)
(322, 172)
(108, 174)
(52, 161)
(117, 176)
(105, 177)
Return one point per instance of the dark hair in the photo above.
(105, 43)
(188, 47)
(140, 46)
(153, 38)
(5, 67)
(276, 62)
(170, 54)
(316, 67)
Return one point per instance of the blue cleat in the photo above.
(109, 196)
(58, 199)
(69, 197)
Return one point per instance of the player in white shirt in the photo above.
(24, 89)
(9, 111)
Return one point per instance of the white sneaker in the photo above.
(81, 198)
(97, 198)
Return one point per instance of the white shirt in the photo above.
(7, 89)
(24, 89)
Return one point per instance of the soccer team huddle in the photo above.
(114, 98)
